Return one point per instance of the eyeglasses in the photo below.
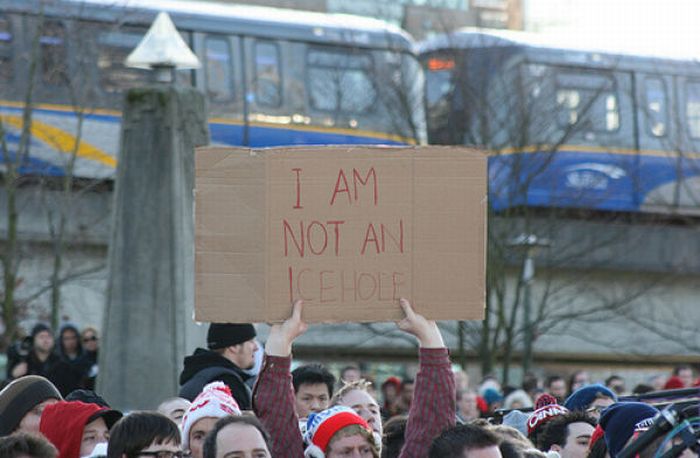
(164, 454)
(90, 339)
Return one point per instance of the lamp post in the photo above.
(150, 297)
(529, 243)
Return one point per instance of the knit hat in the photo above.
(21, 396)
(584, 396)
(214, 401)
(545, 399)
(63, 423)
(322, 426)
(392, 381)
(543, 415)
(492, 395)
(40, 327)
(222, 335)
(620, 421)
(87, 396)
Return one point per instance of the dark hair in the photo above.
(313, 374)
(551, 379)
(599, 449)
(24, 444)
(556, 430)
(138, 430)
(681, 367)
(611, 379)
(394, 436)
(510, 450)
(88, 397)
(642, 388)
(209, 448)
(407, 381)
(454, 441)
(572, 380)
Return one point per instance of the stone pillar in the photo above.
(148, 326)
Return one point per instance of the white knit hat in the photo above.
(321, 427)
(214, 401)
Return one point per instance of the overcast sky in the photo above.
(663, 27)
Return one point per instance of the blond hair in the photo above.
(354, 430)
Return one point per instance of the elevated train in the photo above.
(272, 77)
(568, 127)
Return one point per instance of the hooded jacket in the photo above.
(63, 423)
(205, 366)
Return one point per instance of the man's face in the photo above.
(43, 341)
(351, 375)
(311, 397)
(174, 409)
(30, 421)
(167, 446)
(579, 434)
(486, 452)
(686, 376)
(598, 405)
(467, 406)
(244, 354)
(558, 389)
(94, 433)
(69, 339)
(407, 392)
(580, 380)
(350, 446)
(365, 406)
(198, 432)
(241, 441)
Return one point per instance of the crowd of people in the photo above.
(226, 410)
(69, 365)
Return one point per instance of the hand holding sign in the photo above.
(279, 342)
(426, 331)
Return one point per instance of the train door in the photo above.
(269, 105)
(658, 138)
(220, 78)
(685, 191)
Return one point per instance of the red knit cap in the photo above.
(321, 428)
(63, 422)
(543, 415)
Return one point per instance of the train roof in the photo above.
(260, 21)
(560, 48)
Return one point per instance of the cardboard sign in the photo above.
(348, 229)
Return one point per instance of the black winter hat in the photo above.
(222, 335)
(21, 396)
(40, 327)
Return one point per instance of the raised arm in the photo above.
(433, 408)
(273, 395)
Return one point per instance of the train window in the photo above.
(268, 90)
(218, 69)
(692, 108)
(113, 47)
(339, 81)
(5, 49)
(655, 106)
(54, 68)
(587, 100)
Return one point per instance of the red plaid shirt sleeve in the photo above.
(434, 402)
(273, 403)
